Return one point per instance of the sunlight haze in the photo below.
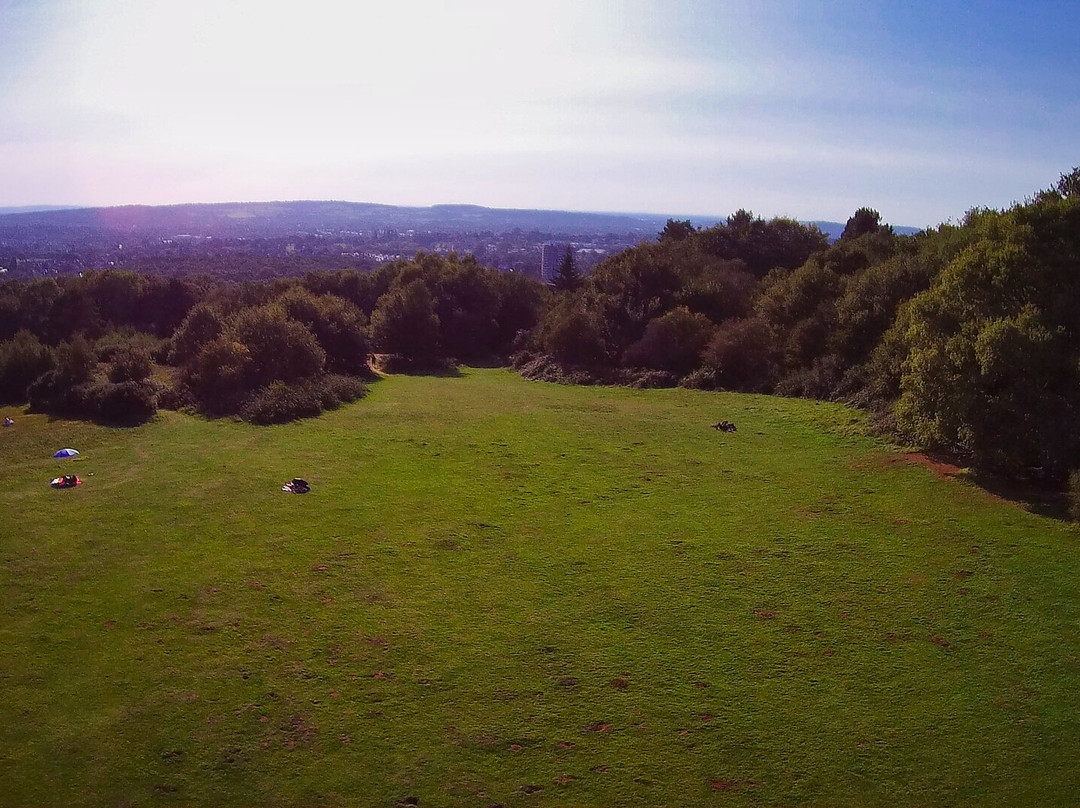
(921, 110)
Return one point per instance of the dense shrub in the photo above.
(572, 336)
(22, 360)
(128, 402)
(338, 325)
(177, 397)
(279, 348)
(201, 327)
(704, 378)
(546, 368)
(992, 364)
(649, 379)
(156, 348)
(405, 322)
(741, 355)
(279, 403)
(821, 380)
(129, 363)
(218, 377)
(672, 342)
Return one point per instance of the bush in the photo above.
(279, 348)
(279, 402)
(218, 378)
(404, 322)
(202, 326)
(129, 363)
(338, 325)
(129, 402)
(51, 393)
(178, 397)
(572, 336)
(649, 379)
(22, 360)
(1074, 495)
(545, 368)
(674, 342)
(822, 380)
(740, 355)
(117, 342)
(701, 379)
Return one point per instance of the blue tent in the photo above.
(66, 453)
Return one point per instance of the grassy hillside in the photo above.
(510, 592)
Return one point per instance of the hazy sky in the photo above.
(809, 109)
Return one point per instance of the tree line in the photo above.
(116, 345)
(965, 337)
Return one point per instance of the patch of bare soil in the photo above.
(1036, 495)
(938, 466)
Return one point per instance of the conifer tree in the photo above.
(567, 278)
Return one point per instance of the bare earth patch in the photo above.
(939, 467)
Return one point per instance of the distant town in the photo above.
(290, 238)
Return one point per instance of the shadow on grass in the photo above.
(1038, 497)
(392, 364)
(452, 372)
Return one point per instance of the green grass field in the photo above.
(501, 591)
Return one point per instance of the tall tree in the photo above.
(568, 277)
(863, 221)
(677, 230)
(405, 322)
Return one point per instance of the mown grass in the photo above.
(510, 592)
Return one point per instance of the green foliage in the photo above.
(279, 402)
(278, 347)
(202, 326)
(75, 362)
(521, 303)
(993, 362)
(129, 363)
(869, 303)
(1069, 184)
(572, 335)
(405, 323)
(338, 325)
(676, 230)
(1073, 495)
(129, 402)
(467, 304)
(673, 342)
(762, 245)
(568, 277)
(800, 309)
(863, 222)
(740, 355)
(22, 360)
(219, 376)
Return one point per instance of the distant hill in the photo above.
(280, 218)
(33, 209)
(267, 219)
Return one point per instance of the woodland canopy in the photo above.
(963, 338)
